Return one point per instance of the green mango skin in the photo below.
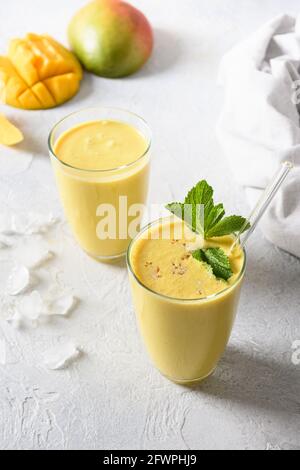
(111, 38)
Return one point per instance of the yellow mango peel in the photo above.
(9, 134)
(38, 73)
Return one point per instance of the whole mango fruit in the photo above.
(111, 38)
(38, 73)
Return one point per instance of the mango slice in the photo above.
(38, 73)
(9, 134)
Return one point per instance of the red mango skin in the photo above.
(111, 38)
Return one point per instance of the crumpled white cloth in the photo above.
(259, 126)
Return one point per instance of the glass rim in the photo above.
(95, 108)
(176, 299)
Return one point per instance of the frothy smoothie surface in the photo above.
(100, 145)
(167, 266)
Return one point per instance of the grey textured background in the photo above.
(112, 397)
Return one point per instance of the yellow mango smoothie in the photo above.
(185, 313)
(101, 162)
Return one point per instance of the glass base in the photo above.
(108, 259)
(190, 382)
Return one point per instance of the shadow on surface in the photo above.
(33, 146)
(274, 273)
(255, 381)
(118, 263)
(167, 52)
(86, 90)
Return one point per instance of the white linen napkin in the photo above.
(259, 126)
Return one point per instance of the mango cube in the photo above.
(38, 73)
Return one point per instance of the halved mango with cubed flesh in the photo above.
(9, 134)
(38, 73)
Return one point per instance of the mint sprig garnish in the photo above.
(203, 216)
(207, 219)
(217, 259)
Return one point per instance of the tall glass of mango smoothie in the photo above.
(185, 313)
(186, 273)
(101, 161)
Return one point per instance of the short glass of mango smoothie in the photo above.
(101, 161)
(185, 314)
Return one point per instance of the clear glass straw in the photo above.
(263, 204)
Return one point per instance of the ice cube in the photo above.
(31, 306)
(5, 241)
(19, 280)
(2, 352)
(15, 320)
(62, 305)
(36, 256)
(41, 257)
(32, 223)
(61, 356)
(41, 223)
(26, 224)
(19, 223)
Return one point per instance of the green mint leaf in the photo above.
(217, 259)
(190, 213)
(228, 226)
(197, 206)
(199, 255)
(215, 215)
(204, 217)
(202, 193)
(177, 208)
(200, 198)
